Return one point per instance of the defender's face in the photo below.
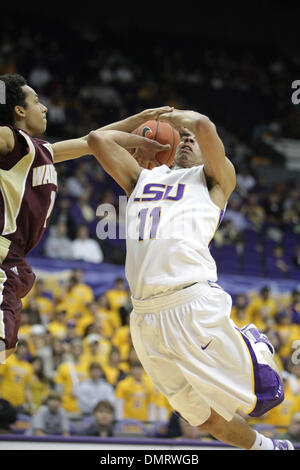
(188, 153)
(35, 112)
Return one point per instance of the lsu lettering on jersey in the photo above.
(170, 222)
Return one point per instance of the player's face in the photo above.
(188, 153)
(35, 112)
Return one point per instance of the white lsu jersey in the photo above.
(170, 222)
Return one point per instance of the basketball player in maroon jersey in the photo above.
(28, 184)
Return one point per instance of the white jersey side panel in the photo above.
(170, 222)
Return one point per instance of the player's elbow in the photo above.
(203, 123)
(93, 139)
(96, 140)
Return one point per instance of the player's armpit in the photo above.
(216, 165)
(7, 141)
(70, 149)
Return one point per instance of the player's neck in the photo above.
(22, 126)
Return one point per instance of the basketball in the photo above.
(163, 133)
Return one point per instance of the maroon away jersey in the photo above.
(28, 183)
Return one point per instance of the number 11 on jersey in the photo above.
(155, 214)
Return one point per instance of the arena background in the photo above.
(95, 65)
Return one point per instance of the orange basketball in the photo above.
(163, 133)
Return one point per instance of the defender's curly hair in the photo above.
(14, 96)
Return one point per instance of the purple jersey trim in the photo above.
(268, 386)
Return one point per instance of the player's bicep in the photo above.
(115, 160)
(7, 141)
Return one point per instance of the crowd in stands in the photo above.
(75, 370)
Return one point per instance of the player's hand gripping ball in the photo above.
(163, 133)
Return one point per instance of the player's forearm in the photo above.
(123, 139)
(133, 122)
(127, 125)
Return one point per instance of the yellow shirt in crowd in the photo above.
(136, 396)
(15, 375)
(259, 307)
(242, 321)
(64, 377)
(121, 341)
(281, 415)
(288, 334)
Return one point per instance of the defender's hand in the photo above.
(155, 113)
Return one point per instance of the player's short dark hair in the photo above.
(14, 96)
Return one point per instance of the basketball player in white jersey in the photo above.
(210, 371)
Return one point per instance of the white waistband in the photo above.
(168, 301)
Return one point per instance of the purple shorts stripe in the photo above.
(268, 386)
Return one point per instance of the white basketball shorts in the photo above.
(196, 356)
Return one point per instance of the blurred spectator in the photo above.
(61, 214)
(107, 313)
(93, 389)
(37, 343)
(240, 313)
(102, 425)
(295, 306)
(118, 295)
(43, 302)
(40, 385)
(39, 76)
(273, 208)
(16, 377)
(25, 327)
(135, 398)
(85, 248)
(253, 212)
(33, 312)
(58, 326)
(50, 419)
(228, 234)
(56, 357)
(121, 338)
(293, 430)
(69, 374)
(96, 349)
(114, 369)
(77, 183)
(234, 214)
(82, 210)
(8, 416)
(245, 181)
(263, 309)
(58, 245)
(279, 260)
